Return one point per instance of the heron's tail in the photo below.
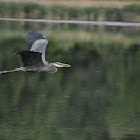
(15, 70)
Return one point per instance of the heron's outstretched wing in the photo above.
(30, 58)
(36, 42)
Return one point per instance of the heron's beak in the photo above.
(66, 65)
(58, 64)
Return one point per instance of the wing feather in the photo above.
(36, 42)
(30, 58)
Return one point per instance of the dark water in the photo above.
(98, 98)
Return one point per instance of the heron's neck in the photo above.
(46, 64)
(49, 67)
(52, 68)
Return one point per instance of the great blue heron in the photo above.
(33, 57)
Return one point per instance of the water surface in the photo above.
(96, 99)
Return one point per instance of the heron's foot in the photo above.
(4, 71)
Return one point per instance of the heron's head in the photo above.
(58, 64)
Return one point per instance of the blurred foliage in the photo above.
(96, 99)
(129, 13)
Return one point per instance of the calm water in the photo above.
(98, 98)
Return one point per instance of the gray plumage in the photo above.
(36, 42)
(33, 56)
(33, 36)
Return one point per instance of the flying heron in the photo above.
(33, 56)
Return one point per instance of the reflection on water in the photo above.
(96, 99)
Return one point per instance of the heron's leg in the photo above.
(15, 70)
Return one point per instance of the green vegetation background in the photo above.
(97, 98)
(129, 13)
